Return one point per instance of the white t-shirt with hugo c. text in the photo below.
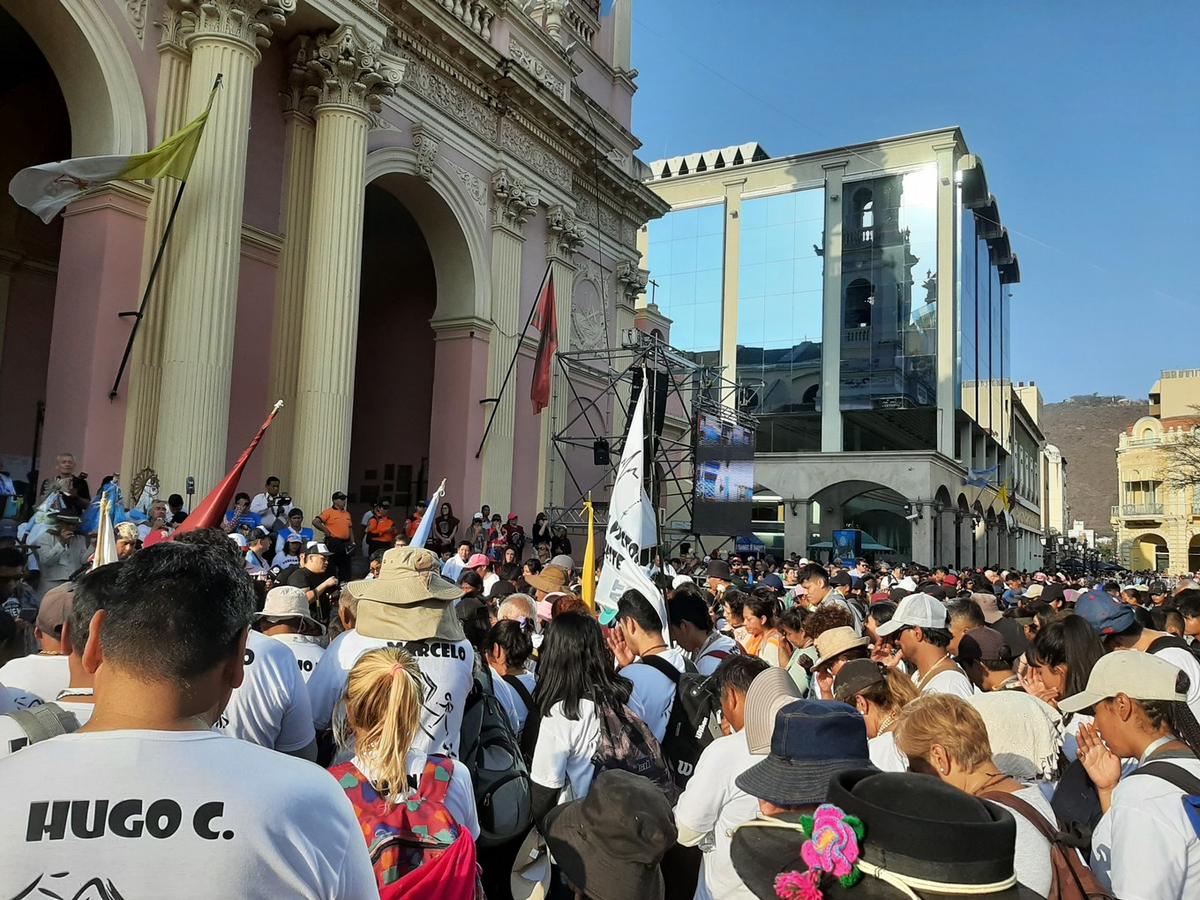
(271, 706)
(188, 814)
(446, 669)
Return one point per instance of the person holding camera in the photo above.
(61, 550)
(271, 505)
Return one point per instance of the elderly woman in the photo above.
(127, 540)
(945, 736)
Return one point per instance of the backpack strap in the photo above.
(663, 667)
(517, 685)
(719, 655)
(1167, 641)
(1172, 774)
(41, 723)
(435, 778)
(1027, 811)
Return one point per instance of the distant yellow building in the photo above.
(1158, 527)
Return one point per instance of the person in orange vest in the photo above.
(415, 522)
(381, 529)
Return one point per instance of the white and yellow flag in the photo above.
(106, 538)
(46, 189)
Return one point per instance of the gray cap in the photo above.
(563, 562)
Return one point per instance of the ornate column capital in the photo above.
(251, 22)
(174, 28)
(632, 278)
(295, 99)
(425, 144)
(349, 72)
(563, 236)
(514, 203)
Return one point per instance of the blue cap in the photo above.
(772, 581)
(608, 615)
(1103, 613)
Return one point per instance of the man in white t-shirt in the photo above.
(92, 592)
(410, 606)
(179, 806)
(692, 629)
(270, 505)
(453, 567)
(646, 660)
(285, 618)
(919, 627)
(44, 673)
(712, 805)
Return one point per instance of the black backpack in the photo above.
(627, 743)
(695, 720)
(1173, 640)
(492, 753)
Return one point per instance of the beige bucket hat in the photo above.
(409, 601)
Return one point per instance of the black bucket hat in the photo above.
(813, 740)
(610, 843)
(917, 831)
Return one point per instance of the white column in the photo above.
(144, 379)
(831, 320)
(947, 288)
(623, 36)
(300, 138)
(562, 240)
(512, 206)
(730, 284)
(198, 341)
(350, 77)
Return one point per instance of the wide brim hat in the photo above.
(552, 579)
(835, 641)
(610, 848)
(530, 879)
(970, 853)
(288, 602)
(409, 600)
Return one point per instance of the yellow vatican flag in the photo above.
(589, 559)
(45, 190)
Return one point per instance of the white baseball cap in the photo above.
(1141, 676)
(681, 579)
(918, 611)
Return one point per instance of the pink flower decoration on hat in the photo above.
(831, 849)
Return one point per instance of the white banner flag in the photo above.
(422, 533)
(631, 529)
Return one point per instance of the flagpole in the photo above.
(158, 258)
(141, 310)
(512, 365)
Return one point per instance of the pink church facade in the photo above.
(380, 191)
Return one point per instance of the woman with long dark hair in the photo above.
(576, 679)
(1060, 660)
(445, 528)
(760, 612)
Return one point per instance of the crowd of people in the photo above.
(295, 706)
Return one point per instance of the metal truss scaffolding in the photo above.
(615, 376)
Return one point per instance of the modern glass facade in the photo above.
(889, 312)
(687, 259)
(780, 289)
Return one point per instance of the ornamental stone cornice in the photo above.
(348, 72)
(250, 22)
(295, 98)
(514, 203)
(563, 235)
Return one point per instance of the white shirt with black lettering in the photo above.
(271, 707)
(42, 675)
(175, 813)
(653, 692)
(446, 670)
(307, 650)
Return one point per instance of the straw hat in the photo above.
(288, 602)
(837, 640)
(409, 601)
(552, 580)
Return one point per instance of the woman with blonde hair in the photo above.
(879, 692)
(945, 736)
(417, 811)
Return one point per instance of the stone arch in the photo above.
(94, 71)
(1147, 550)
(453, 222)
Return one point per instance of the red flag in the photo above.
(546, 321)
(211, 510)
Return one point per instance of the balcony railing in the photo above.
(858, 237)
(858, 335)
(1137, 510)
(1196, 505)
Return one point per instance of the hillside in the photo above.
(1085, 429)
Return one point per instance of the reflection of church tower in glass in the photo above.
(888, 320)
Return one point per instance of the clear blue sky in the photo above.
(1087, 116)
